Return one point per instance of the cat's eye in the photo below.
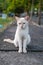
(23, 23)
(19, 23)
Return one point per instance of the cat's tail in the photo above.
(8, 40)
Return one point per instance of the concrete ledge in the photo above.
(36, 44)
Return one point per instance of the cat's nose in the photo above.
(21, 26)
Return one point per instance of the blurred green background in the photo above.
(8, 8)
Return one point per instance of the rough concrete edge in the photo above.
(16, 49)
(1, 34)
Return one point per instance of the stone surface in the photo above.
(36, 34)
(14, 58)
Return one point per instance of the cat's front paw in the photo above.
(19, 51)
(24, 51)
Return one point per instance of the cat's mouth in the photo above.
(22, 27)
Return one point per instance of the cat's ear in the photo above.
(26, 17)
(17, 18)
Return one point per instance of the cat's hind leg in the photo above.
(26, 42)
(28, 39)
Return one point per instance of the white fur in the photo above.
(22, 36)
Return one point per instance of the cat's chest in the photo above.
(22, 33)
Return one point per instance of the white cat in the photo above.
(22, 36)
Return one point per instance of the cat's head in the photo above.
(22, 22)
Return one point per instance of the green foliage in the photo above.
(5, 23)
(17, 5)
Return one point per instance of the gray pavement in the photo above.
(35, 19)
(14, 58)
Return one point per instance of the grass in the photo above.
(5, 22)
